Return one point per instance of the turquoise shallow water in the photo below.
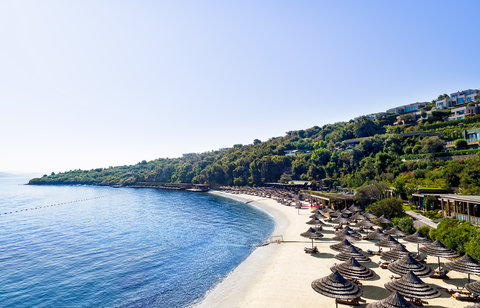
(121, 247)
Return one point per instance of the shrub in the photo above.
(454, 234)
(461, 144)
(473, 247)
(425, 230)
(406, 224)
(392, 207)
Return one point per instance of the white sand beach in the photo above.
(279, 275)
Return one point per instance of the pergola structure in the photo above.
(330, 200)
(463, 207)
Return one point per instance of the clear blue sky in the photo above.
(87, 84)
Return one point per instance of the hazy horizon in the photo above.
(96, 84)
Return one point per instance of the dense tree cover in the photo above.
(376, 156)
(391, 208)
(461, 236)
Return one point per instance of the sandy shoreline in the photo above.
(280, 274)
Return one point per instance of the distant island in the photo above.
(427, 144)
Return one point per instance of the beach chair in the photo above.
(352, 302)
(440, 274)
(465, 297)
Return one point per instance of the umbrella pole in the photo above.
(418, 249)
(336, 303)
(439, 267)
(468, 277)
(312, 243)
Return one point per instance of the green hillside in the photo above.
(416, 151)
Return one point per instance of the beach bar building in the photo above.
(334, 201)
(462, 207)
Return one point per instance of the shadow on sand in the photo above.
(322, 255)
(375, 293)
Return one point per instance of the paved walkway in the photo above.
(424, 220)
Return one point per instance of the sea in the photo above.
(87, 246)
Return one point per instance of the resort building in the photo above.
(457, 98)
(463, 112)
(472, 137)
(462, 207)
(295, 152)
(407, 108)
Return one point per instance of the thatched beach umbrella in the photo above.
(318, 214)
(312, 234)
(376, 235)
(418, 238)
(345, 234)
(396, 253)
(328, 210)
(473, 287)
(396, 231)
(341, 219)
(354, 208)
(412, 287)
(335, 286)
(352, 252)
(335, 214)
(365, 222)
(343, 245)
(384, 220)
(437, 249)
(358, 216)
(473, 306)
(346, 212)
(347, 228)
(354, 270)
(388, 241)
(395, 300)
(409, 264)
(465, 264)
(315, 221)
(369, 215)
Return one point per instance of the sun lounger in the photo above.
(311, 250)
(353, 302)
(465, 297)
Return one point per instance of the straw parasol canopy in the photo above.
(347, 228)
(315, 221)
(351, 251)
(408, 264)
(343, 245)
(335, 286)
(388, 241)
(335, 214)
(376, 235)
(341, 219)
(345, 234)
(437, 249)
(418, 238)
(465, 264)
(369, 215)
(366, 223)
(328, 210)
(473, 306)
(412, 287)
(354, 208)
(318, 214)
(354, 270)
(395, 300)
(396, 232)
(312, 234)
(473, 287)
(384, 220)
(358, 216)
(396, 253)
(346, 212)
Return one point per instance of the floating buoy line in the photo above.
(49, 205)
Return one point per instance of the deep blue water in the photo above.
(121, 247)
